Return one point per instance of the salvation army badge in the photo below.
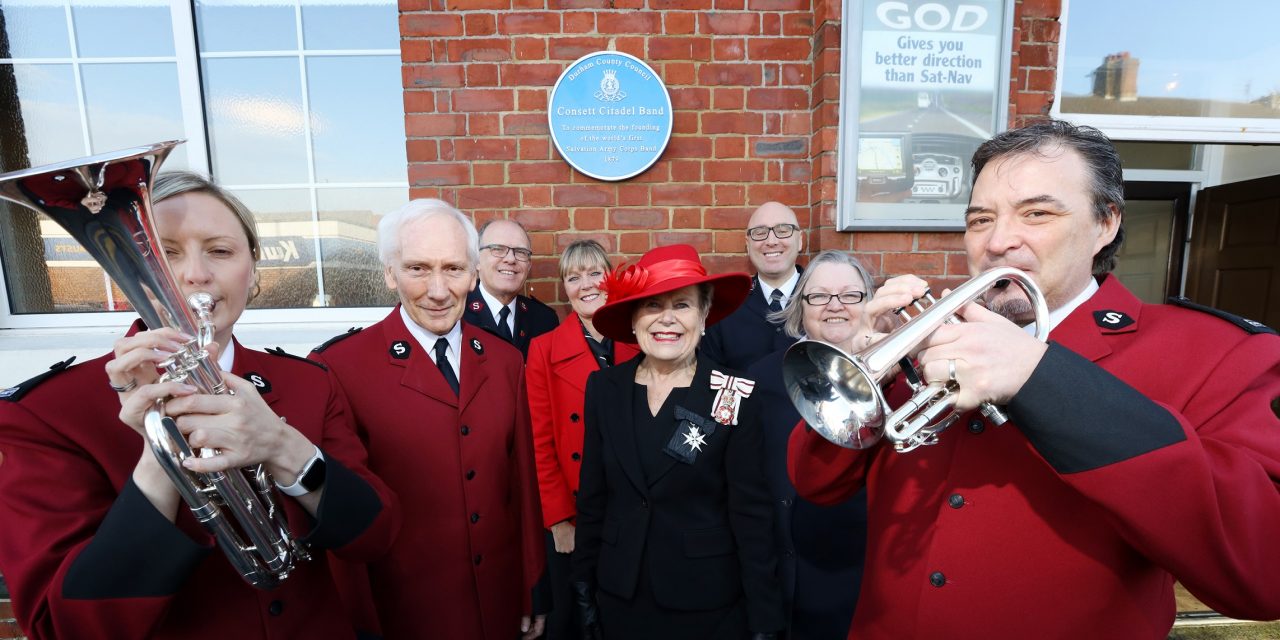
(476, 346)
(477, 305)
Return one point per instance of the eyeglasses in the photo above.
(500, 251)
(780, 231)
(823, 299)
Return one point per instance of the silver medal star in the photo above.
(695, 438)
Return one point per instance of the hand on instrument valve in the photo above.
(989, 357)
(880, 314)
(136, 362)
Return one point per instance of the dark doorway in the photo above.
(1235, 249)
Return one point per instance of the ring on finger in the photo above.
(951, 370)
(125, 388)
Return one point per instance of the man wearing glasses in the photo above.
(774, 242)
(497, 305)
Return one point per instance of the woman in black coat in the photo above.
(674, 535)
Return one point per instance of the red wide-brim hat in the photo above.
(663, 270)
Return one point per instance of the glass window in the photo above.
(234, 25)
(1200, 71)
(357, 99)
(35, 29)
(257, 133)
(120, 28)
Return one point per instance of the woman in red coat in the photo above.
(97, 543)
(556, 377)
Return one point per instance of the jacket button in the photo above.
(465, 430)
(790, 553)
(976, 426)
(956, 501)
(937, 579)
(786, 502)
(471, 474)
(573, 417)
(576, 456)
(575, 493)
(475, 517)
(478, 558)
(644, 503)
(275, 608)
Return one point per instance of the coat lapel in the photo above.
(1082, 333)
(253, 366)
(474, 357)
(571, 357)
(420, 371)
(698, 401)
(621, 398)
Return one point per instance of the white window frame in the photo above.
(1160, 128)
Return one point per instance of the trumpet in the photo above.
(104, 202)
(839, 394)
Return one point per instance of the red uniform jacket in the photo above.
(87, 556)
(556, 373)
(471, 545)
(1143, 448)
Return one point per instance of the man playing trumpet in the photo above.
(1142, 445)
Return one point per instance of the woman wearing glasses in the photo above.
(820, 549)
(497, 303)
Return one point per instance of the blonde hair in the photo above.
(175, 183)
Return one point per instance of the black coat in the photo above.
(746, 335)
(705, 529)
(532, 319)
(820, 549)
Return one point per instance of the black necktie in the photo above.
(504, 329)
(775, 300)
(442, 361)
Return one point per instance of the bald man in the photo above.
(497, 305)
(774, 242)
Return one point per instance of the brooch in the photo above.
(730, 392)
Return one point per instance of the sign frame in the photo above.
(853, 215)
(579, 162)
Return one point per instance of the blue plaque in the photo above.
(610, 115)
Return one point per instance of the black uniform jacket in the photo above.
(532, 319)
(705, 529)
(746, 335)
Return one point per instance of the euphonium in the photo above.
(839, 396)
(104, 202)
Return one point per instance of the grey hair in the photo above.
(1106, 177)
(582, 254)
(422, 209)
(172, 184)
(792, 316)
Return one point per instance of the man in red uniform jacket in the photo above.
(1141, 448)
(441, 408)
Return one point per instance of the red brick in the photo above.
(688, 147)
(483, 124)
(419, 101)
(488, 173)
(433, 75)
(730, 242)
(432, 125)
(694, 98)
(542, 219)
(572, 48)
(535, 148)
(578, 4)
(539, 196)
(676, 23)
(745, 24)
(777, 147)
(524, 124)
(476, 5)
(588, 219)
(638, 218)
(634, 242)
(530, 75)
(679, 48)
(439, 173)
(726, 264)
(422, 150)
(778, 48)
(686, 170)
(406, 6)
(579, 22)
(1038, 55)
(826, 10)
(532, 99)
(565, 239)
(525, 22)
(681, 194)
(678, 73)
(700, 240)
(797, 24)
(482, 75)
(724, 74)
(1044, 30)
(484, 149)
(583, 195)
(737, 123)
(629, 22)
(685, 122)
(1041, 8)
(538, 172)
(479, 49)
(1040, 80)
(735, 171)
(1033, 103)
(415, 51)
(479, 24)
(778, 5)
(731, 147)
(729, 49)
(430, 24)
(633, 195)
(680, 5)
(882, 241)
(488, 198)
(430, 192)
(531, 48)
(483, 100)
(633, 45)
(915, 262)
(770, 24)
(761, 99)
(727, 99)
(686, 218)
(792, 194)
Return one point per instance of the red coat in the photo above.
(556, 373)
(87, 556)
(1143, 447)
(470, 548)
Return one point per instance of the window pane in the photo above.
(1157, 155)
(124, 28)
(351, 25)
(287, 270)
(34, 31)
(348, 241)
(255, 120)
(232, 25)
(132, 104)
(47, 116)
(1198, 63)
(357, 119)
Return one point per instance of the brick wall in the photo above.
(743, 75)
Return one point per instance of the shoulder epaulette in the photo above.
(1251, 326)
(14, 394)
(334, 340)
(279, 351)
